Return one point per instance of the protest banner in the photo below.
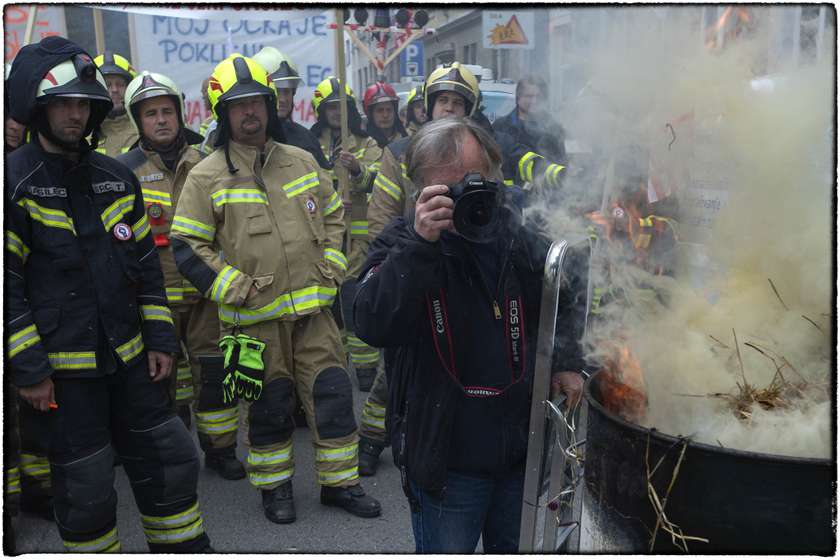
(186, 44)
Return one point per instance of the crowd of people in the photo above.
(158, 277)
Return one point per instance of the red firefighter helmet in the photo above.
(380, 92)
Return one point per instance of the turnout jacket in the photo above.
(276, 224)
(161, 190)
(116, 136)
(84, 289)
(368, 152)
(461, 324)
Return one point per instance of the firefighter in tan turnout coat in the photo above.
(258, 229)
(361, 158)
(161, 162)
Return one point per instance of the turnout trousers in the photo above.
(34, 436)
(362, 355)
(158, 455)
(200, 374)
(372, 426)
(305, 356)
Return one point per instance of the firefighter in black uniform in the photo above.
(89, 336)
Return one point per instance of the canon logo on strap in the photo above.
(438, 316)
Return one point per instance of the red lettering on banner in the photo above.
(13, 38)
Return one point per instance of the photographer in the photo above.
(455, 291)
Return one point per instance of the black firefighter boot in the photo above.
(369, 452)
(279, 504)
(365, 377)
(225, 463)
(352, 499)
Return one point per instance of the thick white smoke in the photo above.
(771, 152)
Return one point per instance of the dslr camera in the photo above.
(478, 207)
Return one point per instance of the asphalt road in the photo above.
(235, 522)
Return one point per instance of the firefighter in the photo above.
(381, 102)
(415, 112)
(161, 162)
(361, 158)
(116, 133)
(286, 78)
(27, 467)
(530, 124)
(89, 336)
(258, 229)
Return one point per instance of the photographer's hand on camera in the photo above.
(433, 212)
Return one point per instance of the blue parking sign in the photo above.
(411, 60)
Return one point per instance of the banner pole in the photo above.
(132, 39)
(98, 30)
(30, 24)
(341, 172)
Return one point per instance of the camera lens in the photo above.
(475, 215)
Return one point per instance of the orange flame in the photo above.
(622, 385)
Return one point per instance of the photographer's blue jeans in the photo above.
(472, 506)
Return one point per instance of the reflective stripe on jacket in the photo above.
(277, 226)
(79, 261)
(161, 189)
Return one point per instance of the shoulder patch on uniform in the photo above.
(108, 186)
(47, 191)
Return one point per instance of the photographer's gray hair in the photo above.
(439, 143)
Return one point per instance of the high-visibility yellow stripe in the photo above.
(333, 204)
(184, 393)
(225, 427)
(526, 166)
(177, 535)
(222, 283)
(264, 479)
(387, 185)
(509, 182)
(12, 477)
(190, 515)
(286, 304)
(50, 217)
(355, 341)
(72, 360)
(21, 340)
(16, 245)
(141, 228)
(277, 457)
(115, 213)
(335, 478)
(364, 358)
(131, 349)
(218, 415)
(101, 151)
(336, 257)
(195, 228)
(100, 544)
(359, 227)
(301, 184)
(156, 313)
(238, 196)
(125, 149)
(340, 454)
(161, 197)
(178, 294)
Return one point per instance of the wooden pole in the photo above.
(411, 37)
(132, 39)
(30, 24)
(341, 172)
(98, 30)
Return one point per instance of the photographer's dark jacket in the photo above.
(463, 319)
(84, 289)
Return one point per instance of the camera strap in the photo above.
(514, 315)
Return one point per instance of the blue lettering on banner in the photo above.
(315, 74)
